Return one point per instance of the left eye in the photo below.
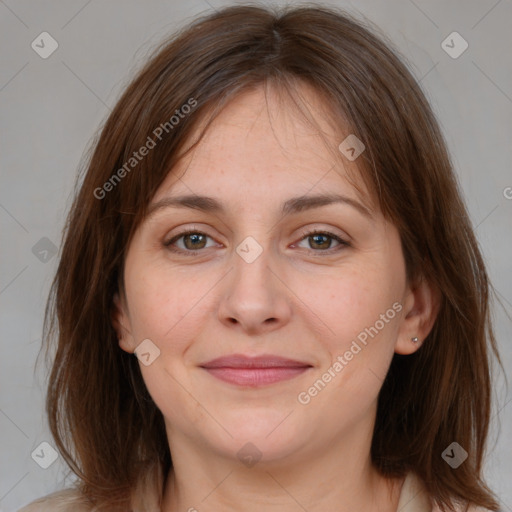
(322, 240)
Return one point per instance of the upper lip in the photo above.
(262, 361)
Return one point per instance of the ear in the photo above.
(121, 323)
(421, 306)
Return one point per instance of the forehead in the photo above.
(267, 140)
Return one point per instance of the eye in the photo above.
(322, 240)
(192, 241)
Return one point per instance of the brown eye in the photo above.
(320, 241)
(191, 241)
(194, 241)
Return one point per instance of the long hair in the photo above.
(104, 422)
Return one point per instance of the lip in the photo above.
(255, 371)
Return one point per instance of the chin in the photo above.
(271, 435)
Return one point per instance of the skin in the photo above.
(302, 298)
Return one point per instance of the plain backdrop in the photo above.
(51, 107)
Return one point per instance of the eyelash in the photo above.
(343, 243)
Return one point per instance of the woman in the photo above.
(270, 296)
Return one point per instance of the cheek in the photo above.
(170, 316)
(361, 312)
(360, 342)
(351, 300)
(163, 301)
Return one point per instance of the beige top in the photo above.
(413, 498)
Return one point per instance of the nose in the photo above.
(255, 299)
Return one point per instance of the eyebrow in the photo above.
(291, 206)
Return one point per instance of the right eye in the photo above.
(193, 241)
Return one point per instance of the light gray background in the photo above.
(50, 109)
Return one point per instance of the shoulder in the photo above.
(145, 496)
(67, 500)
(471, 508)
(462, 508)
(414, 498)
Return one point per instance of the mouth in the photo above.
(257, 371)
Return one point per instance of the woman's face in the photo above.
(250, 280)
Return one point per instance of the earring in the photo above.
(415, 340)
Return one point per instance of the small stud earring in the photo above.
(415, 340)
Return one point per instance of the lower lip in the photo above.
(255, 377)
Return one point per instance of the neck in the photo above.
(343, 483)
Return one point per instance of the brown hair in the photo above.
(103, 420)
